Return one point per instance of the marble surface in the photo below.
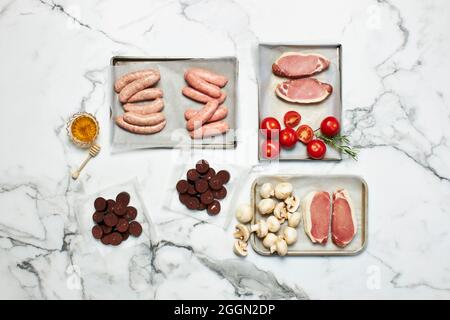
(55, 62)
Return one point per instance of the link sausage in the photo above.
(144, 120)
(147, 108)
(202, 86)
(209, 76)
(136, 86)
(202, 116)
(220, 114)
(131, 76)
(146, 94)
(210, 129)
(201, 97)
(138, 129)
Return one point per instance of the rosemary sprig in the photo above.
(340, 143)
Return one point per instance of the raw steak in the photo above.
(343, 222)
(316, 216)
(298, 65)
(303, 91)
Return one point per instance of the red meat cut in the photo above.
(343, 222)
(316, 216)
(298, 65)
(303, 91)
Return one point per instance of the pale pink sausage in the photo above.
(202, 116)
(137, 85)
(146, 94)
(131, 76)
(201, 97)
(147, 108)
(144, 120)
(202, 86)
(220, 114)
(210, 129)
(138, 129)
(209, 76)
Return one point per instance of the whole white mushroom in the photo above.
(244, 213)
(283, 190)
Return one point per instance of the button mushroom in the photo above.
(273, 224)
(280, 212)
(280, 247)
(292, 203)
(244, 213)
(269, 240)
(266, 190)
(266, 206)
(241, 232)
(289, 235)
(283, 190)
(294, 219)
(260, 228)
(240, 248)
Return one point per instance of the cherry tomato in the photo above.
(288, 137)
(270, 149)
(316, 149)
(292, 119)
(305, 133)
(271, 127)
(330, 126)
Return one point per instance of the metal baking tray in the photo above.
(303, 184)
(174, 135)
(270, 105)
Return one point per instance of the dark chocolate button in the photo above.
(207, 197)
(100, 204)
(201, 185)
(224, 176)
(110, 205)
(214, 208)
(220, 194)
(123, 198)
(106, 239)
(110, 219)
(193, 203)
(182, 186)
(202, 166)
(201, 206)
(215, 183)
(211, 173)
(106, 229)
(98, 217)
(125, 235)
(120, 209)
(131, 213)
(192, 175)
(191, 190)
(184, 198)
(97, 232)
(135, 228)
(115, 238)
(122, 225)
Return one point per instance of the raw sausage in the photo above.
(130, 77)
(201, 85)
(137, 85)
(144, 120)
(147, 108)
(201, 97)
(209, 76)
(210, 129)
(202, 116)
(221, 113)
(138, 129)
(146, 94)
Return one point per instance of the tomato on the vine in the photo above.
(305, 133)
(288, 138)
(270, 149)
(291, 119)
(330, 126)
(270, 127)
(316, 149)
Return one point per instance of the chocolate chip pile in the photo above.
(114, 220)
(203, 188)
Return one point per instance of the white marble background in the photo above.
(54, 62)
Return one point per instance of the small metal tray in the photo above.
(269, 105)
(174, 135)
(303, 184)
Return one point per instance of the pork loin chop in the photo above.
(316, 216)
(298, 65)
(343, 221)
(303, 91)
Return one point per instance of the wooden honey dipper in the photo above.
(93, 151)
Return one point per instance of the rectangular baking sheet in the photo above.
(302, 185)
(269, 105)
(174, 135)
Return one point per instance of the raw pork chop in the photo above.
(343, 222)
(316, 216)
(303, 91)
(298, 65)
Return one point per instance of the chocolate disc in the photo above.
(123, 198)
(202, 166)
(191, 190)
(120, 209)
(110, 205)
(215, 183)
(100, 204)
(214, 208)
(182, 186)
(106, 239)
(115, 238)
(220, 194)
(193, 203)
(184, 198)
(98, 217)
(201, 206)
(224, 176)
(125, 235)
(106, 229)
(135, 228)
(97, 232)
(192, 175)
(131, 213)
(122, 225)
(207, 197)
(201, 185)
(211, 173)
(110, 219)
